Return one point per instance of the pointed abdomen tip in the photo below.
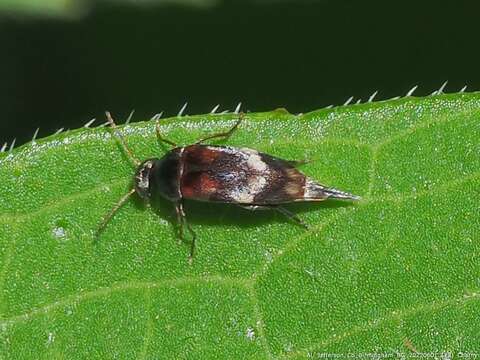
(337, 194)
(314, 191)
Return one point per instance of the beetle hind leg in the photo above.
(280, 209)
(291, 216)
(183, 224)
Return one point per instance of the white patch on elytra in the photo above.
(246, 195)
(225, 149)
(254, 161)
(257, 180)
(257, 175)
(248, 151)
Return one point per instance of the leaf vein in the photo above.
(295, 241)
(438, 188)
(6, 263)
(257, 312)
(125, 286)
(149, 325)
(393, 315)
(58, 203)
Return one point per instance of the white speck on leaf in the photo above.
(250, 334)
(163, 222)
(268, 256)
(59, 232)
(51, 338)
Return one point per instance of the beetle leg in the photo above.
(278, 208)
(290, 215)
(178, 211)
(112, 212)
(226, 134)
(182, 222)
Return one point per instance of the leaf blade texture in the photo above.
(395, 272)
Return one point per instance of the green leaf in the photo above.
(48, 8)
(396, 272)
(77, 8)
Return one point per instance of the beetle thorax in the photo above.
(165, 175)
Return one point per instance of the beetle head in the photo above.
(159, 177)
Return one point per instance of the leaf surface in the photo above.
(394, 273)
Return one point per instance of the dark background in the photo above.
(302, 55)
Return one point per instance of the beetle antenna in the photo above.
(226, 134)
(160, 137)
(112, 212)
(130, 117)
(119, 136)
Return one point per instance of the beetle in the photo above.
(222, 174)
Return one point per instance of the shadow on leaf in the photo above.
(214, 214)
